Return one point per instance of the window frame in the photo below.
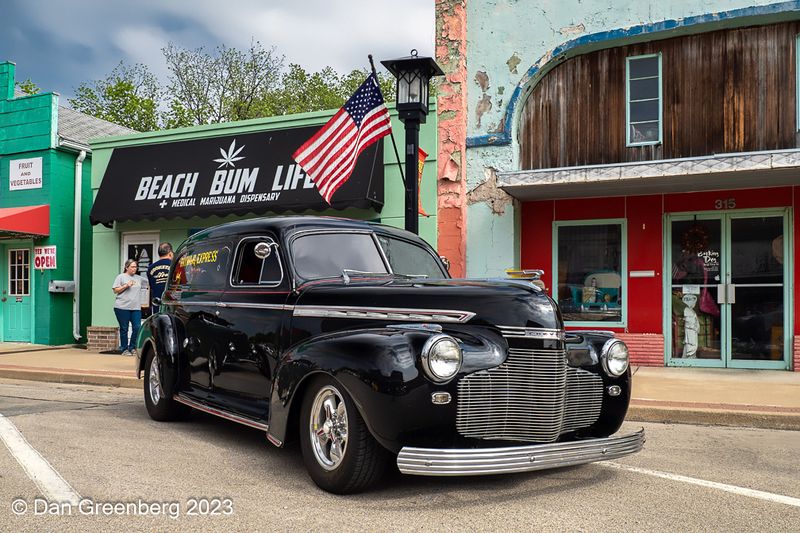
(436, 258)
(797, 82)
(191, 249)
(236, 259)
(628, 142)
(23, 266)
(623, 321)
(300, 280)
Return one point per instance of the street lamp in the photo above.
(413, 75)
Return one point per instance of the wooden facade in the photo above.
(722, 91)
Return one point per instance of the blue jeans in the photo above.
(123, 317)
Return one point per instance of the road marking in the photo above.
(741, 491)
(50, 482)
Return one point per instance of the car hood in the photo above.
(476, 302)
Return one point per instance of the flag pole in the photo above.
(391, 131)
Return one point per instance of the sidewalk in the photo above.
(726, 397)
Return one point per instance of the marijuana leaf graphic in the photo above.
(229, 157)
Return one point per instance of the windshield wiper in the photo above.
(410, 276)
(348, 272)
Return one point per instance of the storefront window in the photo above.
(589, 274)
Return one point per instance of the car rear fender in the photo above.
(164, 334)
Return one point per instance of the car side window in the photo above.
(201, 266)
(409, 258)
(257, 263)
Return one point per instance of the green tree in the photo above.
(220, 86)
(130, 96)
(349, 83)
(28, 87)
(300, 91)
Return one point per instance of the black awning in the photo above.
(233, 174)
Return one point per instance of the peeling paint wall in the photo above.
(451, 42)
(492, 215)
(506, 37)
(504, 40)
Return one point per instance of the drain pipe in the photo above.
(76, 262)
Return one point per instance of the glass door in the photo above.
(695, 321)
(755, 290)
(727, 293)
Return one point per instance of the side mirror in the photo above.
(157, 301)
(445, 262)
(262, 250)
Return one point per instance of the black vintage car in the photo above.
(352, 337)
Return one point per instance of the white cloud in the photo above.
(312, 33)
(143, 44)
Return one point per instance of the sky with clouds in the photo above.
(59, 44)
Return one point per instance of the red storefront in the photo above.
(657, 181)
(686, 279)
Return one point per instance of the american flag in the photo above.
(329, 157)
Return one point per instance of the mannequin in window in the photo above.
(691, 326)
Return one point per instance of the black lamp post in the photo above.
(413, 75)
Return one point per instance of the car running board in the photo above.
(227, 415)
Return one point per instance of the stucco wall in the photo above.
(509, 44)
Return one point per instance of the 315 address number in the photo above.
(727, 203)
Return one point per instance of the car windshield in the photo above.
(328, 255)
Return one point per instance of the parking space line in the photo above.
(54, 487)
(741, 491)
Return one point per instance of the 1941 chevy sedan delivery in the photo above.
(353, 338)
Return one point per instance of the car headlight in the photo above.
(441, 358)
(614, 357)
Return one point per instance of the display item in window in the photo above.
(691, 326)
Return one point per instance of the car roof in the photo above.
(289, 225)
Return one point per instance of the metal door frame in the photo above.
(725, 361)
(785, 363)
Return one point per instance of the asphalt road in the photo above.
(210, 474)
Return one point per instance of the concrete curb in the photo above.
(714, 417)
(639, 411)
(59, 376)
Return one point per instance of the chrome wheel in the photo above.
(156, 392)
(328, 427)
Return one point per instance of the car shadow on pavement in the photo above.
(395, 490)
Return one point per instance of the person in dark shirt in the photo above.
(158, 273)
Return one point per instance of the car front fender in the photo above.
(378, 368)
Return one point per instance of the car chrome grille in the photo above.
(534, 396)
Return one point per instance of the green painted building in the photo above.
(165, 185)
(44, 152)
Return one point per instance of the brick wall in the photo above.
(646, 349)
(796, 354)
(102, 338)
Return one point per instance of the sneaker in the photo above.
(126, 352)
(134, 352)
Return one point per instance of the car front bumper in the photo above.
(485, 461)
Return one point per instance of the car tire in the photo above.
(339, 452)
(157, 395)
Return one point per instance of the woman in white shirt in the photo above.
(127, 306)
